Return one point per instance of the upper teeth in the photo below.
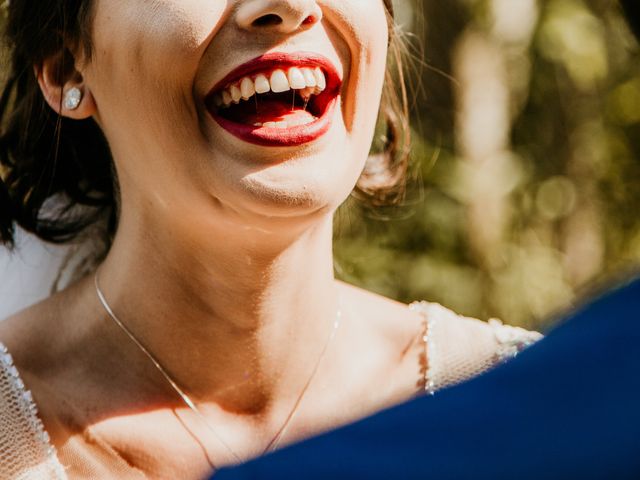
(308, 80)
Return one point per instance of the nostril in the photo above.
(310, 20)
(267, 21)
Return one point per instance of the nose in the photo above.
(278, 16)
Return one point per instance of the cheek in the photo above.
(363, 23)
(146, 54)
(158, 34)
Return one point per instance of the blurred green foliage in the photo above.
(527, 146)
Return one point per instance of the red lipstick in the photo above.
(240, 118)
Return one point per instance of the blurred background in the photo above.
(525, 187)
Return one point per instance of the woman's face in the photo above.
(163, 72)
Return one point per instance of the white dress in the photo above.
(456, 348)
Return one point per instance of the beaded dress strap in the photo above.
(25, 447)
(511, 340)
(428, 323)
(458, 348)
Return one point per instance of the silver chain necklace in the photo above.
(275, 441)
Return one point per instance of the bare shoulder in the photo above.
(432, 344)
(391, 321)
(387, 338)
(34, 336)
(44, 342)
(28, 334)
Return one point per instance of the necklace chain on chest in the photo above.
(275, 441)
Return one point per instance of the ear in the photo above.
(57, 75)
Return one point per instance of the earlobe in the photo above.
(66, 93)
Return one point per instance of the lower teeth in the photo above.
(283, 124)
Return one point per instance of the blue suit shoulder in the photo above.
(566, 407)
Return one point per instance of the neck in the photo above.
(230, 322)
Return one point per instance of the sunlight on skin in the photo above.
(229, 238)
(178, 53)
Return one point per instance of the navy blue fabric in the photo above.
(566, 408)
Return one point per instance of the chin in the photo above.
(282, 148)
(301, 181)
(298, 191)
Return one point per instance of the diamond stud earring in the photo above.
(72, 98)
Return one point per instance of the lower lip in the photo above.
(280, 137)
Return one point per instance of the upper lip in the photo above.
(274, 60)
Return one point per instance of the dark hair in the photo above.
(44, 156)
(56, 173)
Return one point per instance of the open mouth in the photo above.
(277, 100)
